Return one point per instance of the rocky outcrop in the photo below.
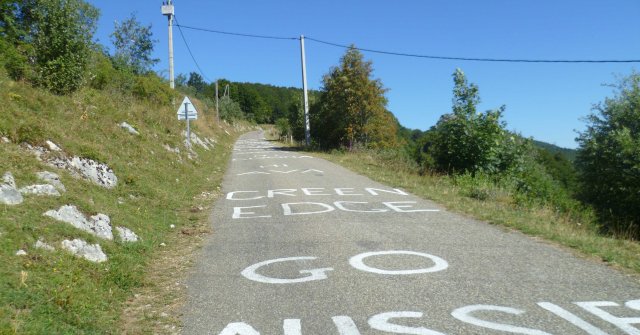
(46, 189)
(86, 168)
(52, 179)
(98, 225)
(126, 235)
(9, 194)
(129, 128)
(80, 248)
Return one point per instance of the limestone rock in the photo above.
(21, 253)
(42, 245)
(127, 235)
(170, 149)
(98, 173)
(129, 128)
(9, 195)
(195, 140)
(5, 140)
(98, 225)
(45, 189)
(80, 248)
(52, 146)
(53, 179)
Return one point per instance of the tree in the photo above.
(59, 34)
(229, 109)
(608, 160)
(134, 45)
(353, 106)
(197, 82)
(468, 141)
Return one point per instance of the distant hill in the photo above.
(569, 154)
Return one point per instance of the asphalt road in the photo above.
(303, 246)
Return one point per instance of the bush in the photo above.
(14, 62)
(608, 159)
(151, 88)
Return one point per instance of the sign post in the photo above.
(184, 113)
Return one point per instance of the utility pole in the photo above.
(217, 106)
(307, 128)
(168, 11)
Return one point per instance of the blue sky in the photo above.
(545, 101)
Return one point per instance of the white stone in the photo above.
(196, 140)
(5, 140)
(80, 248)
(170, 149)
(42, 245)
(45, 189)
(52, 146)
(129, 128)
(7, 179)
(37, 151)
(21, 253)
(9, 195)
(126, 235)
(53, 179)
(98, 173)
(172, 226)
(163, 244)
(98, 225)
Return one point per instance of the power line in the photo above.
(402, 54)
(240, 34)
(189, 49)
(503, 60)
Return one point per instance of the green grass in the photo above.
(55, 292)
(496, 206)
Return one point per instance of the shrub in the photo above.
(151, 88)
(608, 159)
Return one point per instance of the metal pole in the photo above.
(186, 116)
(217, 106)
(307, 128)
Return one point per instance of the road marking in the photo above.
(623, 323)
(358, 263)
(381, 322)
(464, 314)
(314, 274)
(575, 320)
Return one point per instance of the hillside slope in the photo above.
(162, 189)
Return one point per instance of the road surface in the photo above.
(303, 246)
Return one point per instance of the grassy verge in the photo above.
(499, 209)
(159, 196)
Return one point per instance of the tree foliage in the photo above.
(55, 36)
(134, 45)
(352, 107)
(468, 141)
(608, 159)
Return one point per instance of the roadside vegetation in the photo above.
(586, 199)
(57, 85)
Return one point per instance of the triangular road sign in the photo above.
(187, 110)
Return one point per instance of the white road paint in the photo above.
(287, 210)
(345, 325)
(464, 314)
(252, 172)
(240, 213)
(399, 206)
(314, 274)
(625, 324)
(381, 322)
(292, 327)
(341, 205)
(358, 263)
(317, 191)
(633, 304)
(239, 328)
(572, 318)
(312, 170)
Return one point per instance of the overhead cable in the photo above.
(191, 53)
(401, 54)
